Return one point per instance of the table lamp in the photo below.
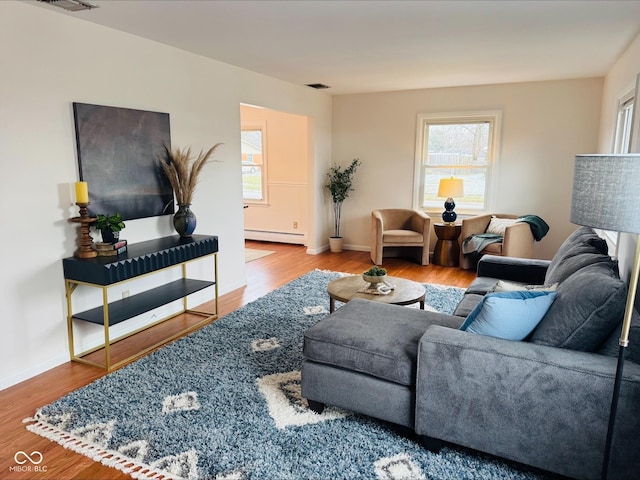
(449, 188)
(605, 195)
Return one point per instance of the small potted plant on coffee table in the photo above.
(375, 275)
(110, 226)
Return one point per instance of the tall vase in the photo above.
(184, 221)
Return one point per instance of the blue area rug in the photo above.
(224, 403)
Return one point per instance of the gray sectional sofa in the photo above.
(543, 401)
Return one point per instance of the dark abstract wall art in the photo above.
(118, 152)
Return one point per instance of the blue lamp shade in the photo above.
(606, 192)
(449, 188)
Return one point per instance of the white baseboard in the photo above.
(357, 248)
(31, 372)
(348, 246)
(278, 237)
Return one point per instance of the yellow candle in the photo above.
(82, 192)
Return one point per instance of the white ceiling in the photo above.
(367, 46)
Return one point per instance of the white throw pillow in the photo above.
(505, 286)
(497, 225)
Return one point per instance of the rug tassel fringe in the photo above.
(96, 453)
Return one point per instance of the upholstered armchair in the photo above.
(516, 242)
(395, 227)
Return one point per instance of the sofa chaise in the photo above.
(542, 401)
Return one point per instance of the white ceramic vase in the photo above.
(335, 244)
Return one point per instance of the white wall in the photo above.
(544, 124)
(50, 60)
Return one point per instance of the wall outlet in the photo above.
(295, 225)
(125, 294)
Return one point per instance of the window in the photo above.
(621, 144)
(253, 163)
(622, 139)
(461, 146)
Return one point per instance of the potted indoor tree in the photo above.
(110, 226)
(340, 184)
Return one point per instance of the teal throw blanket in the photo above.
(539, 227)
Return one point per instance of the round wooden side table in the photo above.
(447, 250)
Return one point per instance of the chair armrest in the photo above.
(540, 405)
(518, 241)
(473, 225)
(377, 217)
(377, 225)
(376, 237)
(524, 270)
(421, 222)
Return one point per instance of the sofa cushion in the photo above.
(583, 247)
(632, 352)
(579, 257)
(509, 315)
(401, 236)
(582, 235)
(589, 305)
(468, 303)
(494, 248)
(507, 286)
(481, 285)
(373, 338)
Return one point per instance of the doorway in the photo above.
(275, 165)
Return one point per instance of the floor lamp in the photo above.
(606, 195)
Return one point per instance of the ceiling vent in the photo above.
(71, 5)
(318, 86)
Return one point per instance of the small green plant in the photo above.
(112, 222)
(376, 271)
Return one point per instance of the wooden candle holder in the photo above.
(85, 242)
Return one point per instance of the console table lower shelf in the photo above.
(115, 312)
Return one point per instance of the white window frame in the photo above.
(622, 138)
(494, 118)
(262, 126)
(624, 124)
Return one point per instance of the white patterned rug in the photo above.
(224, 403)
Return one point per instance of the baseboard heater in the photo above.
(280, 237)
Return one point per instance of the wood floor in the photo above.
(263, 275)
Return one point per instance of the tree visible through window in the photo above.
(456, 146)
(253, 164)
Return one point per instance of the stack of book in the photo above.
(106, 249)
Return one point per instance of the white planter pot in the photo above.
(335, 244)
(373, 279)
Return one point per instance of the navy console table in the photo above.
(140, 259)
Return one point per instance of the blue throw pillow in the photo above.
(509, 315)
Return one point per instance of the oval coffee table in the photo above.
(406, 292)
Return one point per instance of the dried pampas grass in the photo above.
(183, 171)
